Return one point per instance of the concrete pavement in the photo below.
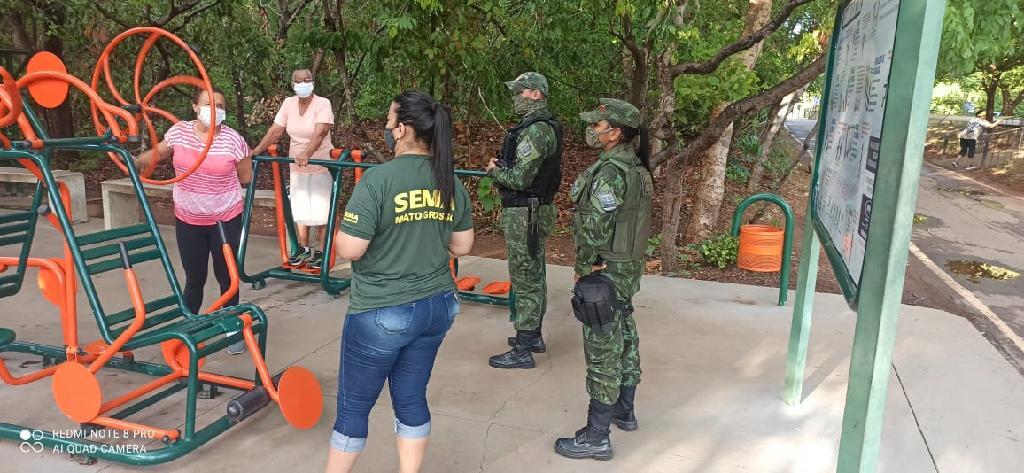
(713, 358)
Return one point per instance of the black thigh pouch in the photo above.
(594, 302)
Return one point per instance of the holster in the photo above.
(594, 301)
(533, 226)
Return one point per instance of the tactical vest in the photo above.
(632, 217)
(549, 177)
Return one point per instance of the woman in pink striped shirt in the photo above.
(209, 195)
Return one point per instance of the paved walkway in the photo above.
(713, 359)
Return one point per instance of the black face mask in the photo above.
(389, 139)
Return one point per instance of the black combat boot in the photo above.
(591, 441)
(537, 345)
(519, 356)
(622, 412)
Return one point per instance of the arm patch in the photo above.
(524, 149)
(607, 200)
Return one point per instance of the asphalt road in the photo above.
(965, 220)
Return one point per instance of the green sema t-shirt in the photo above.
(397, 206)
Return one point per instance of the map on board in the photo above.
(848, 159)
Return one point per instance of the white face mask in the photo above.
(303, 89)
(204, 115)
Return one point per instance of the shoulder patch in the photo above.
(524, 149)
(607, 200)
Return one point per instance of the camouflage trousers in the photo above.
(527, 271)
(613, 356)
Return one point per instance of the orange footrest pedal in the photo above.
(467, 283)
(498, 288)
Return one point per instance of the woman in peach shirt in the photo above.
(307, 118)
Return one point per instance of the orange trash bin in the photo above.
(760, 248)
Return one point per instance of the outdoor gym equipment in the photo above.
(341, 160)
(184, 338)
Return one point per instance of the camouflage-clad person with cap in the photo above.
(611, 225)
(528, 173)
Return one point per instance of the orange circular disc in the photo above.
(48, 93)
(299, 397)
(51, 287)
(77, 392)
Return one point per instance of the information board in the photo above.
(851, 133)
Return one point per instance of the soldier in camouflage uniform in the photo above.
(611, 225)
(528, 173)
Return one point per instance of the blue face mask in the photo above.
(389, 139)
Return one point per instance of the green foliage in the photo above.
(737, 173)
(652, 245)
(487, 194)
(719, 251)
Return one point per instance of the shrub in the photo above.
(720, 251)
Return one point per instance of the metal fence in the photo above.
(997, 148)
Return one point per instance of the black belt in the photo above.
(524, 201)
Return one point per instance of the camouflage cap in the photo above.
(529, 80)
(614, 110)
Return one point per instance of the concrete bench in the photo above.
(121, 209)
(74, 180)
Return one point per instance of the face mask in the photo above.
(303, 89)
(593, 138)
(204, 115)
(389, 139)
(525, 106)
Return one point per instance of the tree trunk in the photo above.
(335, 23)
(711, 187)
(236, 80)
(19, 35)
(1009, 102)
(676, 166)
(777, 186)
(991, 84)
(778, 118)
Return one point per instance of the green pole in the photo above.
(800, 331)
(918, 27)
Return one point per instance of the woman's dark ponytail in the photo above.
(443, 163)
(639, 138)
(643, 147)
(432, 123)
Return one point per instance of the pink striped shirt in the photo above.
(212, 193)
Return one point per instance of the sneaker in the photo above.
(955, 165)
(316, 260)
(237, 348)
(300, 258)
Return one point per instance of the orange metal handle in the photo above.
(135, 292)
(257, 359)
(11, 99)
(229, 261)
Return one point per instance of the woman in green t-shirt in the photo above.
(404, 220)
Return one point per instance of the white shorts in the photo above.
(311, 198)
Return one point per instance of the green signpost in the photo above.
(874, 119)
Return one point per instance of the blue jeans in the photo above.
(398, 344)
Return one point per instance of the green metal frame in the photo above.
(180, 324)
(879, 292)
(333, 285)
(19, 227)
(787, 238)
